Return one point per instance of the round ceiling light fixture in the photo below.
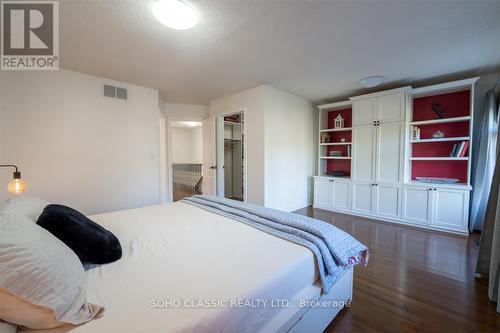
(372, 81)
(175, 14)
(192, 123)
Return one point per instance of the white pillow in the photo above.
(7, 327)
(26, 205)
(39, 268)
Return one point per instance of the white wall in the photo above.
(289, 150)
(252, 101)
(75, 146)
(187, 145)
(197, 145)
(280, 143)
(185, 111)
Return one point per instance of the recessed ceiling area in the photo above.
(318, 50)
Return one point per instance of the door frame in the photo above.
(163, 160)
(169, 176)
(219, 151)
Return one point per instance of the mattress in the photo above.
(185, 269)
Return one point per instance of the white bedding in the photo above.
(180, 252)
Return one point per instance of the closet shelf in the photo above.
(440, 121)
(231, 123)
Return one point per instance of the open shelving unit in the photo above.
(338, 139)
(430, 156)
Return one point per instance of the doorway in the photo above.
(186, 158)
(231, 153)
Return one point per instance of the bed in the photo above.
(185, 269)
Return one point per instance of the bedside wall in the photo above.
(76, 147)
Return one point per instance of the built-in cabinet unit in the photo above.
(332, 193)
(404, 157)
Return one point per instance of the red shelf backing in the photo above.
(446, 169)
(434, 149)
(345, 113)
(338, 136)
(339, 165)
(455, 104)
(449, 129)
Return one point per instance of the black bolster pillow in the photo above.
(90, 241)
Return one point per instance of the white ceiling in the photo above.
(315, 49)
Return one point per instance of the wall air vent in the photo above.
(121, 93)
(115, 92)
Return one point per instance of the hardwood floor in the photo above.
(416, 281)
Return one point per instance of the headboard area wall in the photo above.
(77, 147)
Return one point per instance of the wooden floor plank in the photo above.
(417, 281)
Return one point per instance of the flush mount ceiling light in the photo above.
(175, 14)
(372, 81)
(192, 123)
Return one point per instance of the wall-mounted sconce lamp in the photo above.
(16, 186)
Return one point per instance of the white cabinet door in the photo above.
(417, 204)
(387, 200)
(362, 199)
(323, 192)
(391, 108)
(364, 111)
(342, 195)
(389, 159)
(451, 208)
(364, 152)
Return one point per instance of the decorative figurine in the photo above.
(437, 109)
(438, 135)
(339, 121)
(342, 140)
(415, 133)
(325, 138)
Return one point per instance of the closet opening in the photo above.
(232, 184)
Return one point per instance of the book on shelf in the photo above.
(464, 148)
(453, 150)
(459, 149)
(349, 151)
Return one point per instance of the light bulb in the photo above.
(16, 186)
